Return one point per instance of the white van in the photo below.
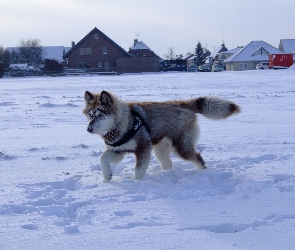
(262, 65)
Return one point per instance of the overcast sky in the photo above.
(159, 23)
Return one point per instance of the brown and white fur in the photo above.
(169, 126)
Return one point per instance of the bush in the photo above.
(52, 66)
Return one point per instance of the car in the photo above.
(204, 68)
(217, 68)
(262, 65)
(192, 68)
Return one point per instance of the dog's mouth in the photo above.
(90, 129)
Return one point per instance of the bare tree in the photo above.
(170, 54)
(31, 52)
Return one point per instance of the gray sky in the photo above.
(159, 23)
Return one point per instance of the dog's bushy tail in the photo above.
(214, 107)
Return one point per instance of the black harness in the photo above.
(138, 122)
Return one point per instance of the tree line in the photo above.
(31, 52)
(201, 54)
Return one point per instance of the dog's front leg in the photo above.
(106, 159)
(143, 155)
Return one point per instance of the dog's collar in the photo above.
(138, 122)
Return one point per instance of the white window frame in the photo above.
(243, 66)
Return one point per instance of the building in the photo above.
(142, 59)
(288, 46)
(140, 49)
(246, 58)
(95, 50)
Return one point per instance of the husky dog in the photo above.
(140, 127)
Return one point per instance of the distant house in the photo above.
(55, 52)
(140, 49)
(95, 50)
(142, 59)
(218, 51)
(248, 57)
(288, 46)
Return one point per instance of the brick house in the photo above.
(143, 60)
(95, 50)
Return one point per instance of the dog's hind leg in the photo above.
(143, 155)
(186, 150)
(108, 157)
(162, 153)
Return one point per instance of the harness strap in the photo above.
(129, 135)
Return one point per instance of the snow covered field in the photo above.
(52, 195)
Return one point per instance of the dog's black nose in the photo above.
(90, 129)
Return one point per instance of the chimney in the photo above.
(135, 41)
(73, 44)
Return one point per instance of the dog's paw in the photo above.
(139, 174)
(108, 177)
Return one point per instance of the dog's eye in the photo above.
(99, 115)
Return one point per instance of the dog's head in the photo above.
(99, 110)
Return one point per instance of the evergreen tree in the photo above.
(4, 60)
(199, 53)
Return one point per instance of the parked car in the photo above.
(262, 65)
(204, 68)
(217, 68)
(193, 68)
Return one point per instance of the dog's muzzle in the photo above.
(90, 129)
(90, 126)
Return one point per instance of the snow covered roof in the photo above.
(254, 51)
(140, 45)
(287, 45)
(50, 52)
(55, 52)
(232, 51)
(219, 49)
(18, 65)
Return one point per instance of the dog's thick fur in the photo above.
(168, 126)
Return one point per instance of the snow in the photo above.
(52, 194)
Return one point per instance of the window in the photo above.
(243, 66)
(104, 50)
(99, 65)
(95, 35)
(85, 51)
(261, 51)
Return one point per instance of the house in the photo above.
(55, 52)
(220, 57)
(95, 50)
(49, 52)
(246, 58)
(142, 59)
(218, 51)
(287, 46)
(140, 49)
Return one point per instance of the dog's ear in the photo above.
(106, 98)
(88, 97)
